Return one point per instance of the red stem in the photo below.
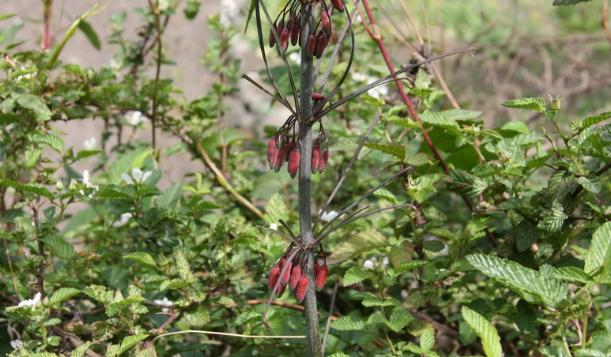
(377, 37)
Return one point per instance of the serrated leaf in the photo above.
(348, 323)
(600, 249)
(170, 197)
(59, 247)
(356, 244)
(589, 121)
(399, 318)
(554, 219)
(427, 339)
(29, 188)
(90, 33)
(516, 126)
(588, 185)
(143, 258)
(355, 275)
(81, 350)
(371, 300)
(485, 330)
(131, 341)
(276, 210)
(35, 104)
(53, 141)
(439, 119)
(536, 104)
(63, 294)
(573, 274)
(532, 285)
(396, 150)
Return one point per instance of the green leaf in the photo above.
(588, 185)
(589, 121)
(427, 340)
(568, 2)
(35, 104)
(536, 104)
(396, 150)
(276, 210)
(63, 294)
(532, 285)
(439, 119)
(30, 188)
(600, 249)
(348, 323)
(573, 274)
(81, 350)
(355, 275)
(90, 33)
(170, 197)
(53, 141)
(554, 219)
(59, 247)
(516, 126)
(143, 258)
(399, 318)
(130, 341)
(485, 330)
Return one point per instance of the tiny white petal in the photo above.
(329, 216)
(385, 262)
(16, 344)
(90, 144)
(273, 226)
(128, 180)
(368, 264)
(146, 175)
(86, 177)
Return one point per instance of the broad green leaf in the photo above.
(348, 323)
(536, 104)
(126, 162)
(427, 339)
(29, 188)
(588, 185)
(276, 210)
(81, 350)
(554, 219)
(63, 294)
(170, 197)
(600, 249)
(571, 274)
(130, 341)
(516, 126)
(53, 141)
(396, 150)
(532, 285)
(485, 330)
(355, 275)
(357, 244)
(589, 121)
(35, 104)
(399, 318)
(143, 258)
(59, 247)
(439, 119)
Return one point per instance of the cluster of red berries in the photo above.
(281, 148)
(288, 26)
(293, 273)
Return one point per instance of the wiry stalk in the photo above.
(305, 174)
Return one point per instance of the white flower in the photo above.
(16, 344)
(134, 117)
(125, 217)
(273, 226)
(59, 185)
(378, 92)
(136, 175)
(90, 144)
(368, 264)
(295, 57)
(385, 262)
(30, 302)
(88, 183)
(328, 216)
(361, 77)
(165, 302)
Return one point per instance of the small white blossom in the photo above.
(59, 185)
(295, 57)
(165, 303)
(328, 216)
(136, 175)
(125, 217)
(87, 182)
(16, 344)
(404, 294)
(30, 302)
(90, 144)
(134, 117)
(273, 226)
(385, 262)
(368, 264)
(361, 77)
(378, 92)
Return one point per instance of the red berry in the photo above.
(320, 276)
(284, 38)
(317, 97)
(338, 5)
(286, 273)
(295, 275)
(295, 31)
(324, 159)
(315, 157)
(274, 274)
(322, 40)
(294, 162)
(302, 288)
(311, 45)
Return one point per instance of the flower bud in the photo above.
(302, 288)
(320, 276)
(315, 157)
(294, 157)
(311, 45)
(338, 5)
(295, 275)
